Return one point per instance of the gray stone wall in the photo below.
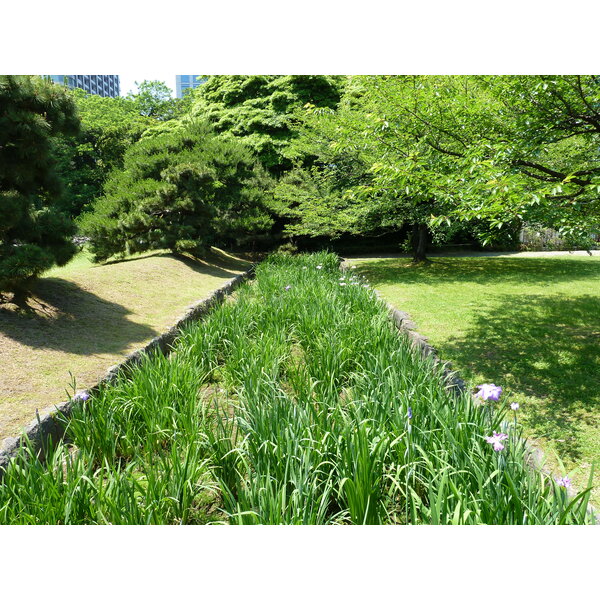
(404, 323)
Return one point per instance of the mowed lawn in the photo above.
(528, 323)
(87, 317)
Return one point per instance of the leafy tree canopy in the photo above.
(440, 149)
(154, 99)
(259, 109)
(549, 144)
(109, 127)
(102, 113)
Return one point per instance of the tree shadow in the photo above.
(63, 316)
(475, 270)
(215, 264)
(223, 267)
(547, 347)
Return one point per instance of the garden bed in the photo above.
(297, 403)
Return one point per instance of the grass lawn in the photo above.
(87, 317)
(528, 323)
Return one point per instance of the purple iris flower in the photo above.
(515, 405)
(83, 396)
(409, 414)
(489, 391)
(496, 440)
(563, 481)
(288, 287)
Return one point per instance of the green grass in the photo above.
(529, 324)
(86, 317)
(288, 405)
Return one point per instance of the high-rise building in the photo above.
(103, 85)
(186, 82)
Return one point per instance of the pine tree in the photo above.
(183, 190)
(34, 234)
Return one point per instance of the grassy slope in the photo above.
(529, 324)
(87, 317)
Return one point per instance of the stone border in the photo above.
(406, 325)
(46, 426)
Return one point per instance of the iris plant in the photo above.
(489, 391)
(496, 440)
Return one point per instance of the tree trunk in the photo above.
(21, 293)
(419, 242)
(20, 296)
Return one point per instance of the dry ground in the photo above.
(85, 318)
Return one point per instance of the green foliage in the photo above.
(34, 234)
(259, 109)
(312, 205)
(181, 190)
(154, 99)
(550, 140)
(108, 127)
(380, 124)
(495, 151)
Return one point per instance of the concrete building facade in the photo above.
(103, 85)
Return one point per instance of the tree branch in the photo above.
(558, 176)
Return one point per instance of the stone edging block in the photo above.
(405, 324)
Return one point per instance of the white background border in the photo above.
(266, 37)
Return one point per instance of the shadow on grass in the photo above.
(476, 270)
(65, 317)
(544, 346)
(214, 264)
